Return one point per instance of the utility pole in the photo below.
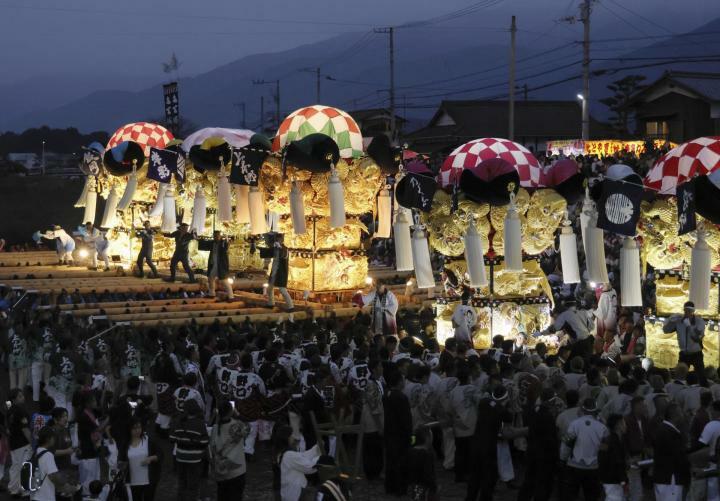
(585, 9)
(585, 18)
(525, 92)
(241, 107)
(317, 81)
(511, 97)
(391, 34)
(277, 103)
(276, 96)
(262, 114)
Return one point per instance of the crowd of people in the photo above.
(583, 418)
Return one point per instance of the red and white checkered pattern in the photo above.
(695, 158)
(145, 134)
(472, 153)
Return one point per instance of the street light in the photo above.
(582, 124)
(43, 158)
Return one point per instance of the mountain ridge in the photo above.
(358, 63)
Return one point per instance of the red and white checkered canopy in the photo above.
(472, 153)
(695, 158)
(146, 134)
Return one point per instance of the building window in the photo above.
(657, 129)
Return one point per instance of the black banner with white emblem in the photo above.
(246, 163)
(162, 165)
(91, 162)
(180, 169)
(172, 106)
(686, 208)
(416, 191)
(619, 207)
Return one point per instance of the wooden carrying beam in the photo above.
(139, 303)
(206, 306)
(270, 316)
(217, 314)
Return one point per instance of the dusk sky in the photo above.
(130, 39)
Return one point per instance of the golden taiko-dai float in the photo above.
(685, 264)
(493, 213)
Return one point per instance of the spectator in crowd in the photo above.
(52, 482)
(191, 439)
(612, 463)
(19, 438)
(144, 457)
(227, 449)
(582, 447)
(671, 469)
(397, 434)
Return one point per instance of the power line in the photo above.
(541, 64)
(465, 91)
(650, 37)
(621, 18)
(637, 14)
(355, 82)
(598, 72)
(674, 58)
(165, 15)
(445, 91)
(359, 44)
(486, 70)
(452, 15)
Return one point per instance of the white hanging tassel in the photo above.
(595, 258)
(384, 214)
(273, 221)
(187, 212)
(130, 189)
(403, 246)
(224, 199)
(421, 259)
(337, 201)
(630, 288)
(258, 224)
(109, 219)
(700, 269)
(157, 208)
(199, 212)
(297, 209)
(568, 253)
(90, 204)
(242, 209)
(474, 257)
(585, 213)
(83, 195)
(169, 222)
(512, 238)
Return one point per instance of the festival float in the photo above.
(492, 214)
(680, 242)
(142, 173)
(319, 183)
